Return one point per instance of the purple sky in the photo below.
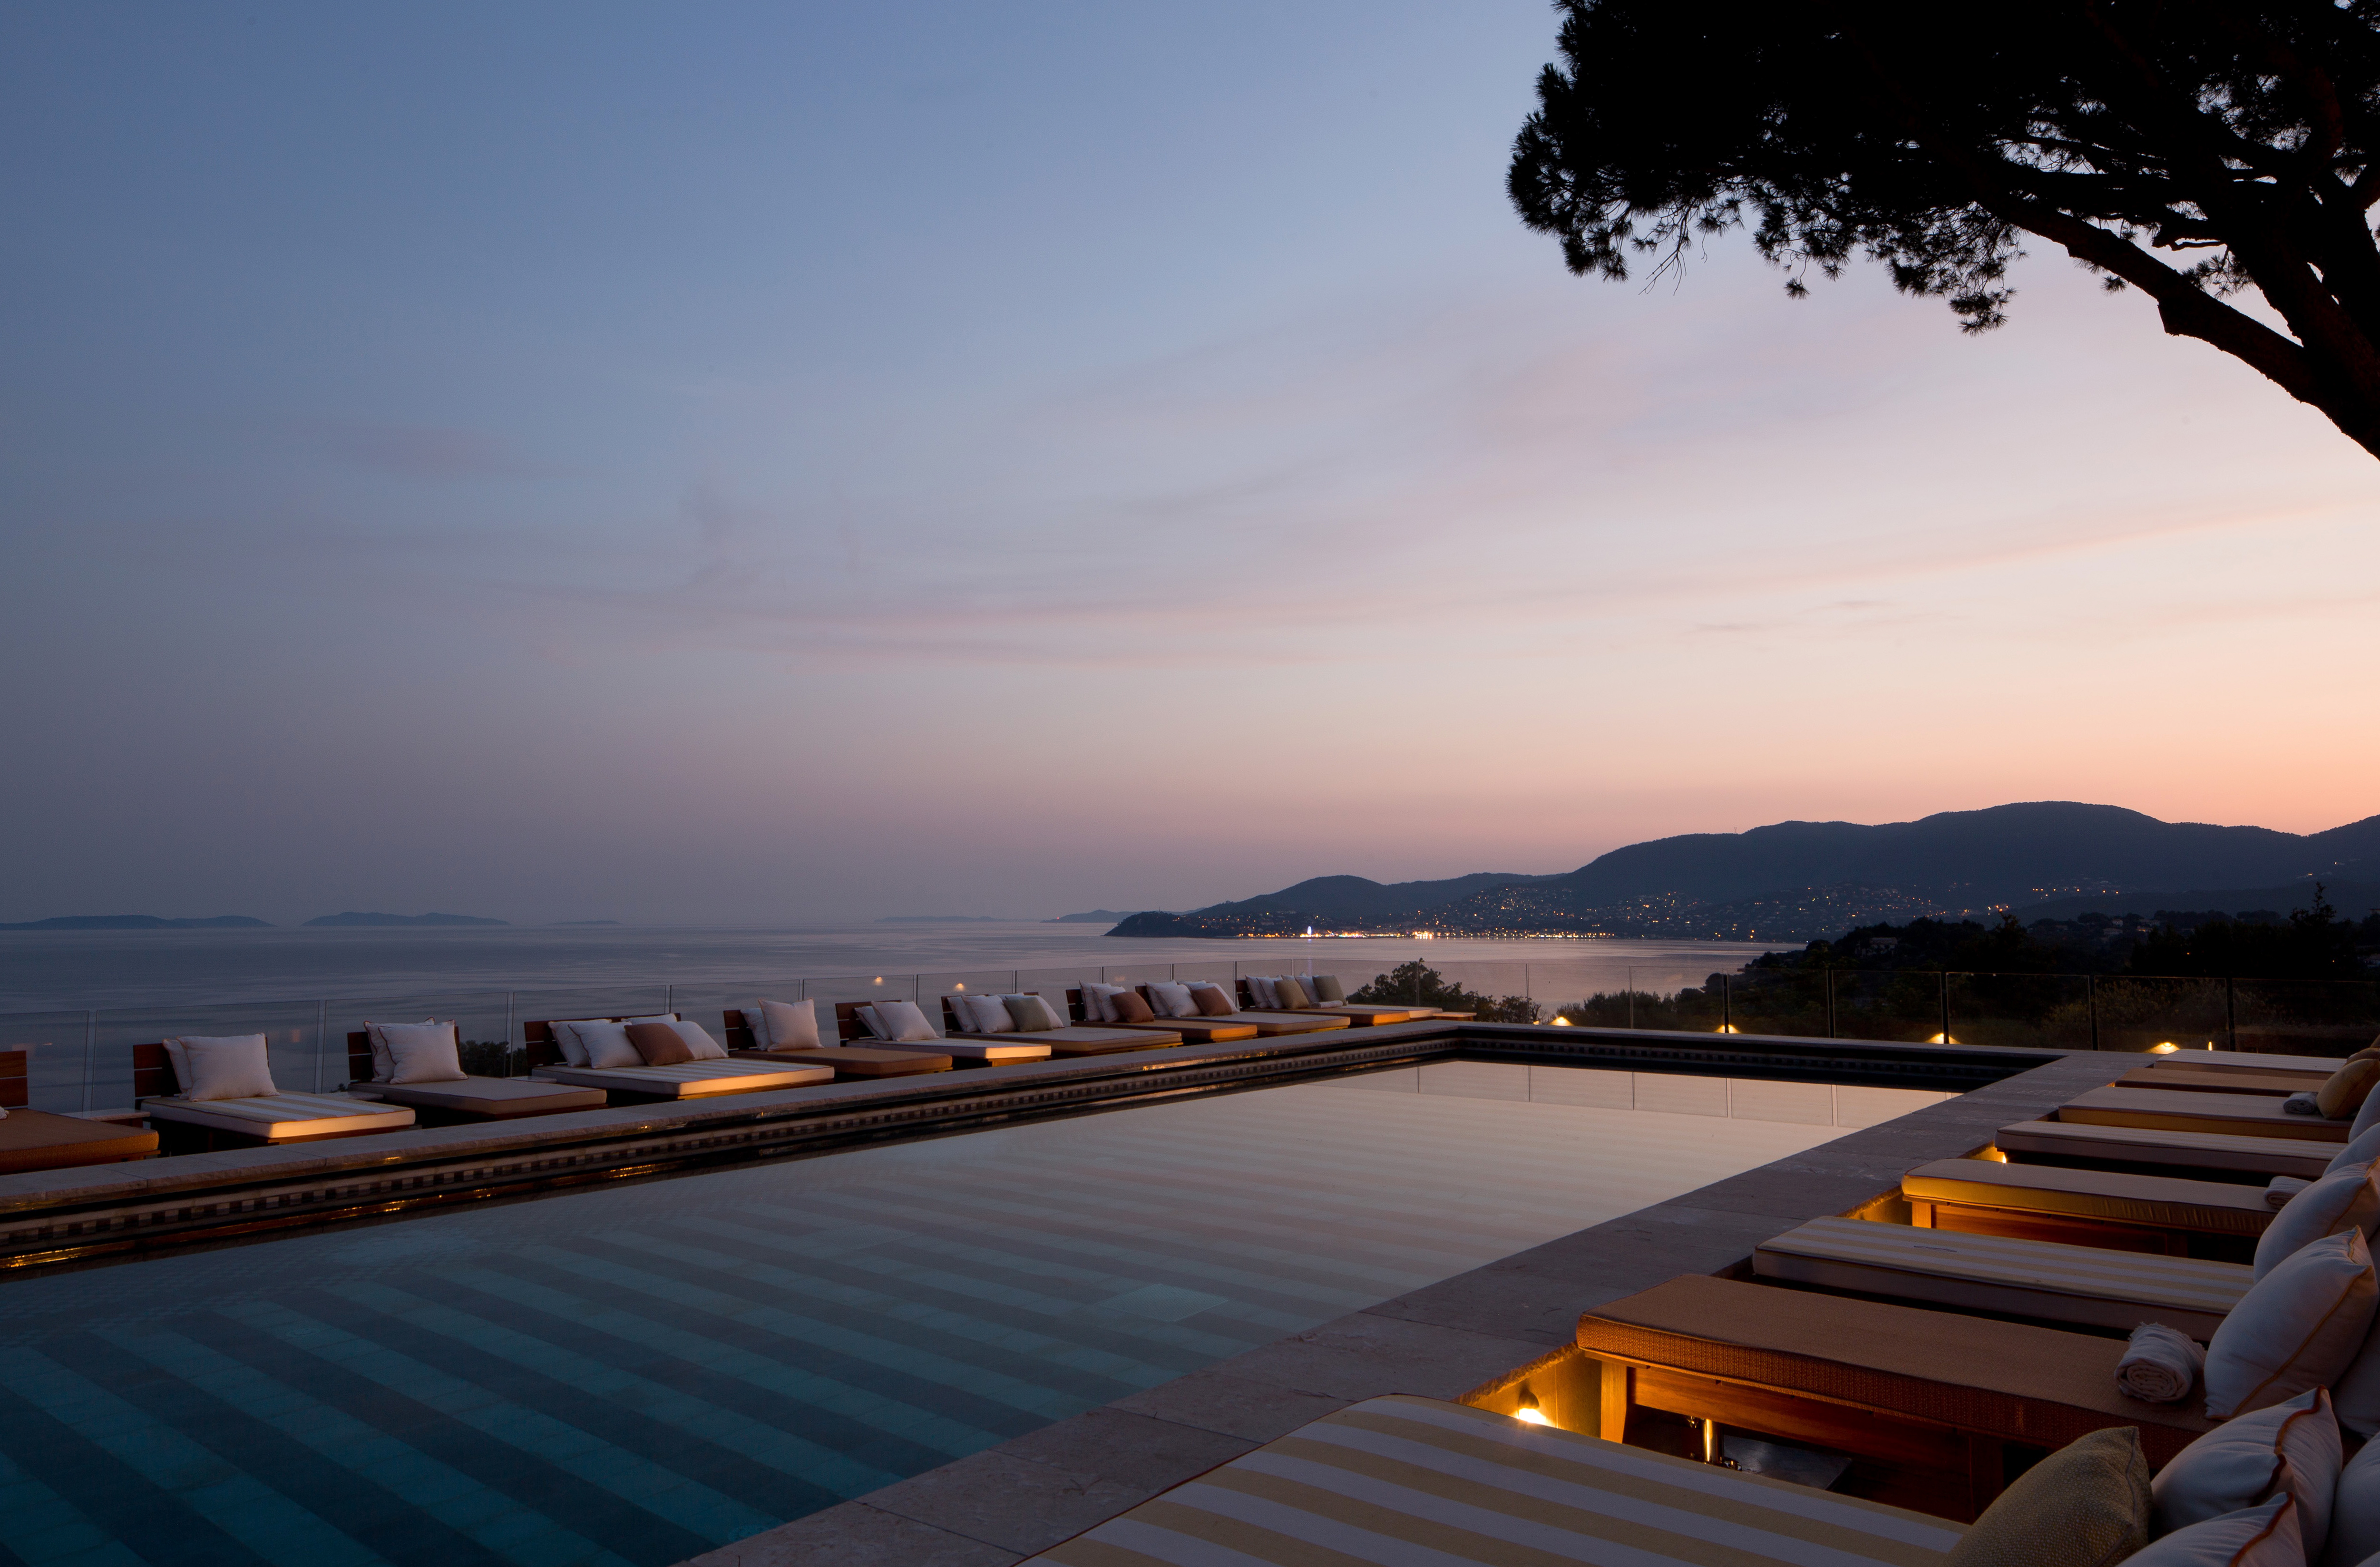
(757, 463)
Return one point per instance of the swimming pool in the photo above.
(637, 1375)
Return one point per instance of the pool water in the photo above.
(637, 1375)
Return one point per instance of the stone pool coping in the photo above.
(1005, 1503)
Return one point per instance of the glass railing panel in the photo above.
(293, 1031)
(2304, 1017)
(1900, 1005)
(1778, 1000)
(2139, 1014)
(2052, 1010)
(559, 1001)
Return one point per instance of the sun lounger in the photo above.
(469, 1099)
(2149, 1147)
(41, 1140)
(2086, 1208)
(2314, 1067)
(1360, 1014)
(844, 1060)
(1261, 1025)
(2179, 1110)
(2281, 1083)
(2047, 1279)
(265, 1121)
(686, 1080)
(1937, 1397)
(1068, 1043)
(1395, 1481)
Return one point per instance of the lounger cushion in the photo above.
(492, 1099)
(2356, 1394)
(2343, 1095)
(2297, 1327)
(2184, 1152)
(693, 1079)
(1213, 1001)
(284, 1118)
(422, 1052)
(2366, 1118)
(1098, 1003)
(783, 1025)
(221, 1066)
(2257, 1537)
(2162, 1201)
(1172, 1001)
(1263, 992)
(1291, 994)
(984, 1015)
(2355, 1510)
(1327, 988)
(2291, 1447)
(37, 1140)
(2176, 1110)
(1129, 1008)
(1034, 1014)
(2085, 1505)
(607, 1044)
(382, 1063)
(2348, 1199)
(2362, 1150)
(899, 1022)
(1407, 1480)
(659, 1044)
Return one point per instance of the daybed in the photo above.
(447, 1102)
(1398, 1481)
(2179, 1110)
(42, 1139)
(186, 1123)
(845, 1061)
(1068, 1041)
(1362, 1014)
(703, 1077)
(1265, 1025)
(2047, 1279)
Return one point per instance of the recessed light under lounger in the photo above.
(39, 1139)
(745, 1036)
(682, 1080)
(448, 1100)
(975, 1017)
(231, 1101)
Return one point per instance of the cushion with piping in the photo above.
(866, 1012)
(1291, 994)
(221, 1066)
(2291, 1447)
(2342, 1095)
(422, 1052)
(1172, 1001)
(382, 1065)
(1326, 989)
(1213, 1001)
(904, 1023)
(700, 1045)
(565, 1040)
(1131, 1008)
(2297, 1327)
(783, 1025)
(607, 1044)
(2366, 1119)
(2348, 1199)
(658, 1044)
(982, 1014)
(2361, 1149)
(2085, 1505)
(2355, 1511)
(2253, 1536)
(2355, 1395)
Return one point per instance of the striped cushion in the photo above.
(2038, 1278)
(278, 1116)
(1411, 1481)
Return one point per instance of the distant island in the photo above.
(1801, 881)
(141, 922)
(1090, 917)
(566, 924)
(941, 920)
(351, 919)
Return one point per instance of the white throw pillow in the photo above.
(565, 1040)
(1326, 989)
(2291, 1447)
(2297, 1327)
(382, 1065)
(902, 1023)
(699, 1040)
(2355, 1511)
(2361, 1150)
(1260, 988)
(2253, 1536)
(1098, 1005)
(1172, 1001)
(2346, 1200)
(783, 1025)
(422, 1052)
(2366, 1118)
(221, 1066)
(606, 1044)
(988, 1015)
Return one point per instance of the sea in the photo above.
(54, 971)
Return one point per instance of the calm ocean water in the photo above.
(46, 971)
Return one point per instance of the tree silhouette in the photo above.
(2197, 150)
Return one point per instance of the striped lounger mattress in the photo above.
(284, 1118)
(689, 1079)
(1409, 1481)
(2045, 1280)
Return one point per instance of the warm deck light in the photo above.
(1533, 1414)
(2164, 1047)
(1941, 1039)
(1561, 1022)
(1727, 1029)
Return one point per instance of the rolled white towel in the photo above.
(2301, 1104)
(2282, 1189)
(2161, 1365)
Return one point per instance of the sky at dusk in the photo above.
(725, 463)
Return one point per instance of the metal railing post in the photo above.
(1946, 1006)
(1829, 976)
(2231, 1015)
(1725, 1006)
(1632, 1006)
(2091, 995)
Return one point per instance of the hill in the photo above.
(141, 922)
(1799, 880)
(352, 919)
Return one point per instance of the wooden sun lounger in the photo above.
(845, 1061)
(2281, 1083)
(2086, 1208)
(1360, 1014)
(1937, 1397)
(2045, 1280)
(2179, 1110)
(2148, 1147)
(469, 1099)
(41, 1140)
(1395, 1481)
(2316, 1066)
(688, 1080)
(266, 1121)
(1078, 1039)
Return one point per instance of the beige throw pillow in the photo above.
(2292, 1447)
(1213, 1001)
(1291, 994)
(2344, 1093)
(2254, 1537)
(2297, 1327)
(658, 1044)
(422, 1052)
(1130, 1008)
(1034, 1015)
(2348, 1199)
(2085, 1505)
(221, 1066)
(1326, 989)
